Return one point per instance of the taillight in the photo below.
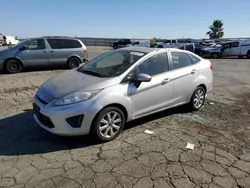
(85, 51)
(211, 66)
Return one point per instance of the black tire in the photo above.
(95, 128)
(73, 62)
(240, 56)
(13, 66)
(192, 103)
(115, 47)
(160, 46)
(248, 55)
(214, 55)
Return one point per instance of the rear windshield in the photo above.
(112, 63)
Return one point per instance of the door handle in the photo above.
(193, 71)
(166, 80)
(43, 52)
(51, 51)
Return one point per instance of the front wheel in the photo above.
(108, 124)
(13, 66)
(215, 55)
(198, 98)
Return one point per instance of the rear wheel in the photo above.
(115, 47)
(160, 46)
(13, 66)
(73, 62)
(215, 55)
(108, 124)
(248, 55)
(198, 99)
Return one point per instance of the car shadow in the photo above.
(20, 135)
(41, 69)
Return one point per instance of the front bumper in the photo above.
(56, 117)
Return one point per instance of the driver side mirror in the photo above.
(22, 48)
(143, 78)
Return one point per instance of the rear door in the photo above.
(35, 54)
(62, 49)
(185, 73)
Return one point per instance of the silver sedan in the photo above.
(120, 86)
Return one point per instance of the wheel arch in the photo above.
(12, 58)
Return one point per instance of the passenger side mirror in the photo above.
(143, 77)
(22, 48)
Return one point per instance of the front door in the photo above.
(185, 73)
(34, 54)
(232, 49)
(156, 94)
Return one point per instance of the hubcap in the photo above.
(74, 63)
(199, 98)
(110, 124)
(13, 67)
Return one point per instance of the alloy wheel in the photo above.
(110, 124)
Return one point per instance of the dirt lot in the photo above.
(31, 157)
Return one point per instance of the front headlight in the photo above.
(76, 97)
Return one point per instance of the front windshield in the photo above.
(112, 63)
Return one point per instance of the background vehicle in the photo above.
(120, 86)
(173, 43)
(43, 51)
(121, 43)
(240, 48)
(1, 39)
(10, 40)
(143, 43)
(193, 47)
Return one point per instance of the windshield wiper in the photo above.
(91, 73)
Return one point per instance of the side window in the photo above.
(64, 43)
(180, 60)
(194, 59)
(38, 44)
(54, 43)
(174, 42)
(154, 65)
(235, 44)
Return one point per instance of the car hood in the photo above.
(72, 81)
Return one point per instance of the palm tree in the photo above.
(216, 30)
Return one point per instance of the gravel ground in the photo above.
(31, 157)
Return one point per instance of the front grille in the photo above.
(43, 97)
(42, 118)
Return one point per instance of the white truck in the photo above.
(173, 43)
(10, 40)
(240, 48)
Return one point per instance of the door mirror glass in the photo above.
(143, 78)
(22, 48)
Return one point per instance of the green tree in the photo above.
(216, 30)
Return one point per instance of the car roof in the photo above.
(140, 49)
(55, 37)
(149, 50)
